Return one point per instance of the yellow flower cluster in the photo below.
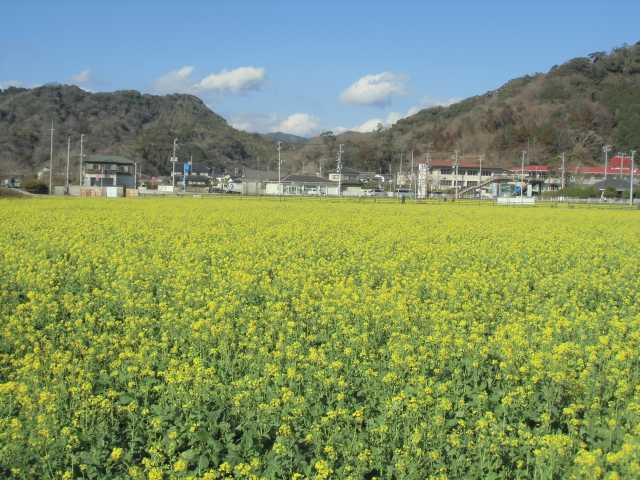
(316, 339)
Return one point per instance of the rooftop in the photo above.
(461, 164)
(617, 184)
(305, 179)
(601, 170)
(109, 159)
(350, 171)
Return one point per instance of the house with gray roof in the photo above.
(108, 171)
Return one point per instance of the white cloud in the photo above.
(10, 83)
(368, 126)
(175, 81)
(82, 77)
(298, 124)
(301, 124)
(372, 124)
(239, 80)
(428, 102)
(376, 89)
(254, 122)
(393, 117)
(234, 81)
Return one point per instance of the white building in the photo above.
(300, 185)
(449, 176)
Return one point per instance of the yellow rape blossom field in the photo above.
(245, 338)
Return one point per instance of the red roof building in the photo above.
(618, 165)
(462, 164)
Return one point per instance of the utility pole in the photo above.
(633, 155)
(339, 169)
(563, 170)
(81, 158)
(480, 177)
(455, 177)
(428, 171)
(135, 175)
(66, 176)
(522, 177)
(606, 149)
(51, 163)
(174, 159)
(279, 166)
(411, 176)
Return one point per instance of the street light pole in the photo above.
(173, 164)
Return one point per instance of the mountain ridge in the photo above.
(574, 108)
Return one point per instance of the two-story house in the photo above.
(108, 171)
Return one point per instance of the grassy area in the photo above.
(267, 338)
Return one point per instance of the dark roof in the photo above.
(305, 179)
(253, 174)
(198, 178)
(192, 176)
(618, 184)
(113, 159)
(200, 167)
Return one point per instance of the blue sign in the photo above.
(186, 168)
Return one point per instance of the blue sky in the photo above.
(303, 66)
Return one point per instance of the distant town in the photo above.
(458, 177)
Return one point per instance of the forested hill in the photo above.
(575, 108)
(125, 122)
